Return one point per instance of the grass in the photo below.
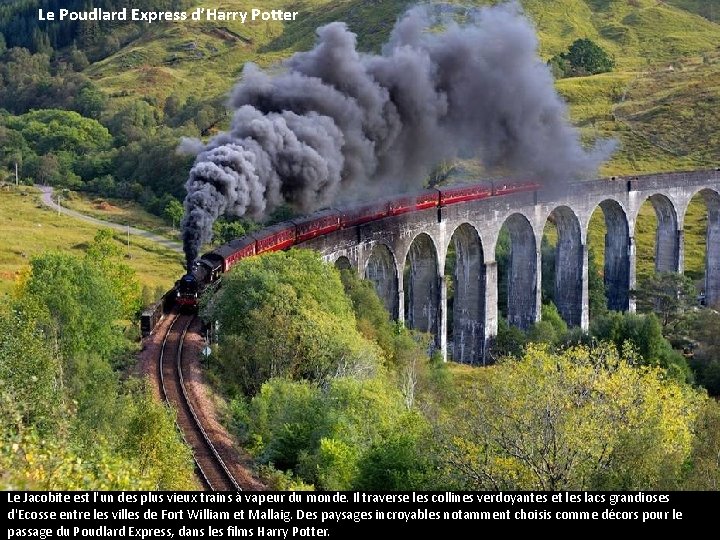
(205, 58)
(27, 228)
(119, 211)
(710, 9)
(663, 120)
(677, 109)
(202, 59)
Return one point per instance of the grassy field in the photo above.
(28, 228)
(120, 211)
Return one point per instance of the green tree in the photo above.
(670, 296)
(583, 57)
(173, 212)
(703, 471)
(91, 102)
(559, 66)
(106, 254)
(133, 122)
(78, 59)
(551, 329)
(43, 169)
(54, 130)
(335, 436)
(153, 164)
(510, 340)
(705, 360)
(172, 108)
(205, 118)
(404, 350)
(596, 286)
(82, 309)
(225, 230)
(30, 370)
(285, 314)
(152, 442)
(68, 420)
(579, 419)
(644, 333)
(41, 42)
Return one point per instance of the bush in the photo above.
(286, 315)
(584, 57)
(645, 334)
(580, 419)
(510, 340)
(68, 420)
(335, 436)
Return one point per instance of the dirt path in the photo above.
(47, 199)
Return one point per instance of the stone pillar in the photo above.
(619, 250)
(468, 312)
(423, 287)
(524, 276)
(491, 307)
(585, 291)
(712, 264)
(632, 279)
(441, 338)
(666, 248)
(381, 270)
(667, 245)
(680, 264)
(538, 283)
(401, 297)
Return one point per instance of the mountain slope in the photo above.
(202, 60)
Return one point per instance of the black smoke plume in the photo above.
(336, 121)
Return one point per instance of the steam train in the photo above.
(210, 267)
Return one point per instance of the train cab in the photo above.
(187, 291)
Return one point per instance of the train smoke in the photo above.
(336, 121)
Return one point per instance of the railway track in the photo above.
(210, 467)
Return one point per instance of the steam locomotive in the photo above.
(210, 267)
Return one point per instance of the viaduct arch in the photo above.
(405, 256)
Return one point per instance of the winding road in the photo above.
(47, 199)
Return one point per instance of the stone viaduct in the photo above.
(382, 250)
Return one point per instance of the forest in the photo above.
(328, 393)
(53, 116)
(72, 416)
(60, 129)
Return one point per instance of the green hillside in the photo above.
(27, 229)
(633, 103)
(710, 9)
(666, 56)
